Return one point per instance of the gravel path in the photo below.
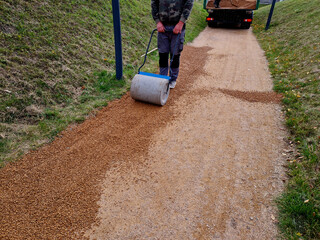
(205, 166)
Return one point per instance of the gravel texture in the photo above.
(205, 166)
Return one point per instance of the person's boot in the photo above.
(172, 84)
(173, 75)
(216, 3)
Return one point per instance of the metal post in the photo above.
(117, 37)
(270, 14)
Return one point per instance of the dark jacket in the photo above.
(171, 11)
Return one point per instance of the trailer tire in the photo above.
(212, 24)
(245, 25)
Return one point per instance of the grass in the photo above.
(263, 5)
(57, 64)
(292, 46)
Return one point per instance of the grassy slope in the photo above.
(57, 63)
(292, 46)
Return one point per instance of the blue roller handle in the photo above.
(145, 56)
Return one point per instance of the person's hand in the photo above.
(160, 27)
(178, 28)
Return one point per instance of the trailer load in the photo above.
(235, 12)
(233, 4)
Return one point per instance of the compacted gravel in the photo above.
(207, 165)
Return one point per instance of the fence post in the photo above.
(270, 14)
(117, 37)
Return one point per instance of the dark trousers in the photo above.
(167, 44)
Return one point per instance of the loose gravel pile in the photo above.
(52, 193)
(235, 4)
(263, 97)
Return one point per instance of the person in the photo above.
(170, 17)
(216, 3)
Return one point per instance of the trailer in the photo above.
(231, 12)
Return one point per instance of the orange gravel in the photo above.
(207, 165)
(213, 170)
(52, 193)
(264, 97)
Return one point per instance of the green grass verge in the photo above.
(263, 5)
(292, 46)
(57, 64)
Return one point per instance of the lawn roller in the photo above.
(150, 87)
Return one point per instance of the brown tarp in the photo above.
(234, 4)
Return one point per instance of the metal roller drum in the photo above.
(151, 88)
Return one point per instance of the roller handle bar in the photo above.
(145, 57)
(174, 50)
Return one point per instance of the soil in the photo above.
(207, 165)
(233, 4)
